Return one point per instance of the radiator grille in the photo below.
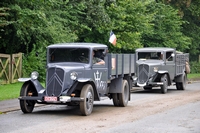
(143, 73)
(55, 81)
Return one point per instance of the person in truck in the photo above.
(97, 60)
(160, 55)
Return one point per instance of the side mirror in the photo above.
(105, 52)
(172, 55)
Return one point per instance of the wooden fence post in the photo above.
(16, 67)
(10, 68)
(5, 69)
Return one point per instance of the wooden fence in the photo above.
(10, 68)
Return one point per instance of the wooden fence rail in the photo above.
(10, 68)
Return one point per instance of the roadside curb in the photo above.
(11, 105)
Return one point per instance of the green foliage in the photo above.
(3, 19)
(167, 28)
(10, 91)
(129, 20)
(192, 28)
(37, 23)
(35, 61)
(189, 11)
(195, 67)
(93, 21)
(31, 25)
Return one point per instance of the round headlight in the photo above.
(73, 75)
(34, 75)
(155, 69)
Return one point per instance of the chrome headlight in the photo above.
(73, 75)
(155, 69)
(34, 75)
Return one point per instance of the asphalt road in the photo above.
(147, 112)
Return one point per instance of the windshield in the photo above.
(80, 55)
(150, 55)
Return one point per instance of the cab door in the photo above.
(170, 63)
(100, 76)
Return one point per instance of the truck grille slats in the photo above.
(143, 73)
(54, 81)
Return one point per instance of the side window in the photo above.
(169, 56)
(98, 57)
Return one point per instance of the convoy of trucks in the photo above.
(73, 77)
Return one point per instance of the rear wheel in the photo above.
(124, 96)
(182, 85)
(86, 106)
(121, 99)
(27, 106)
(164, 87)
(115, 97)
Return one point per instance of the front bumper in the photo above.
(61, 99)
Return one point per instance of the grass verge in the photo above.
(193, 76)
(10, 91)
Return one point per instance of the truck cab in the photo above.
(77, 63)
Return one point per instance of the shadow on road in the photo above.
(64, 110)
(153, 91)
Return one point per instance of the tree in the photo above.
(3, 19)
(36, 25)
(167, 28)
(129, 20)
(189, 11)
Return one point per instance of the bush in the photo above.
(195, 67)
(35, 61)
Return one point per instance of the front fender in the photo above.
(83, 79)
(79, 84)
(39, 88)
(165, 72)
(162, 72)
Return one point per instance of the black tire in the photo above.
(124, 96)
(178, 86)
(164, 87)
(86, 106)
(27, 106)
(147, 88)
(115, 97)
(182, 85)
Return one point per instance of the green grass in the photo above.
(11, 91)
(194, 76)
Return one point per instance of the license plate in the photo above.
(50, 99)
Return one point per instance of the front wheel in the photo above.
(164, 87)
(27, 106)
(86, 106)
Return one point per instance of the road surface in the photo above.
(147, 112)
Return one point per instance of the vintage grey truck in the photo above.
(73, 79)
(161, 67)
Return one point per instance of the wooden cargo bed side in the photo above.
(181, 60)
(121, 64)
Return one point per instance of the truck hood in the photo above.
(150, 62)
(71, 67)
